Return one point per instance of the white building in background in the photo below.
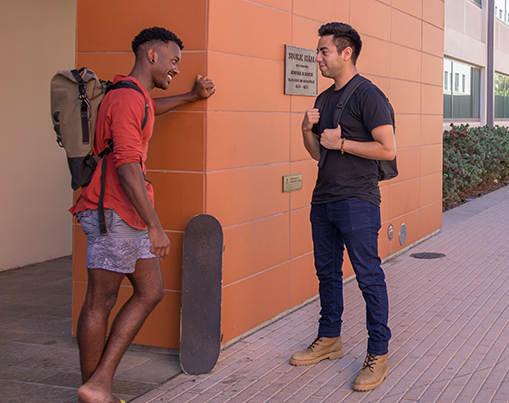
(476, 62)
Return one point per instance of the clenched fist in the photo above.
(331, 138)
(311, 117)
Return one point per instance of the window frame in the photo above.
(505, 106)
(454, 85)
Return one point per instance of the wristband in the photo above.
(342, 144)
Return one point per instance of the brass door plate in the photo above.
(292, 182)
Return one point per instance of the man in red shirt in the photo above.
(135, 240)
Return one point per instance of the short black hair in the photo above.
(344, 36)
(155, 34)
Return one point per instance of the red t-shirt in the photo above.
(119, 118)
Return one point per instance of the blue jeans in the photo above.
(355, 224)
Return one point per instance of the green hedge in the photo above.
(473, 156)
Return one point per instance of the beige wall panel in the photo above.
(33, 169)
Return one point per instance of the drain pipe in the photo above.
(490, 65)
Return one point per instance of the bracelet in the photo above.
(342, 144)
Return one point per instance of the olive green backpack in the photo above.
(75, 99)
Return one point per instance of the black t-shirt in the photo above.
(343, 176)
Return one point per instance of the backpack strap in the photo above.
(350, 88)
(130, 84)
(109, 149)
(85, 105)
(100, 207)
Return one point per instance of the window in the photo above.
(461, 90)
(501, 97)
(502, 10)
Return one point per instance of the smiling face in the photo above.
(330, 62)
(166, 58)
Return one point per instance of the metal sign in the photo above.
(292, 182)
(301, 71)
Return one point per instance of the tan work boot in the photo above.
(321, 349)
(373, 373)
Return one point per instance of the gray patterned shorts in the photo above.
(118, 249)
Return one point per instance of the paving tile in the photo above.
(238, 387)
(15, 392)
(49, 340)
(155, 370)
(67, 379)
(66, 359)
(14, 353)
(269, 392)
(339, 396)
(302, 394)
(20, 374)
(149, 396)
(484, 395)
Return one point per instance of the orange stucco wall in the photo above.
(226, 156)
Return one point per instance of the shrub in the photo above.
(473, 156)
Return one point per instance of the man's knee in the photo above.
(154, 296)
(150, 295)
(101, 299)
(102, 290)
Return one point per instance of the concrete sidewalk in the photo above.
(39, 359)
(449, 318)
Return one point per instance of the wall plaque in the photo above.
(292, 182)
(301, 71)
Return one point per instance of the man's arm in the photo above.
(311, 142)
(133, 183)
(382, 148)
(202, 89)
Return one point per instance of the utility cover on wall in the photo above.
(390, 232)
(402, 234)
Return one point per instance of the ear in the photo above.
(347, 53)
(152, 55)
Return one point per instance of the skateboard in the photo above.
(202, 281)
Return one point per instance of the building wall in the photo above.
(226, 156)
(35, 182)
(176, 160)
(501, 48)
(465, 31)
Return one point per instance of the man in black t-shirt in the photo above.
(345, 208)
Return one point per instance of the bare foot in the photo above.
(88, 393)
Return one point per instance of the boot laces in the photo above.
(370, 362)
(315, 343)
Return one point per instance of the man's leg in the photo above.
(102, 291)
(328, 253)
(360, 231)
(147, 293)
(328, 249)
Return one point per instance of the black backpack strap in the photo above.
(100, 207)
(391, 109)
(130, 84)
(350, 88)
(104, 153)
(85, 105)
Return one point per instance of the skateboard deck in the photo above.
(202, 280)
